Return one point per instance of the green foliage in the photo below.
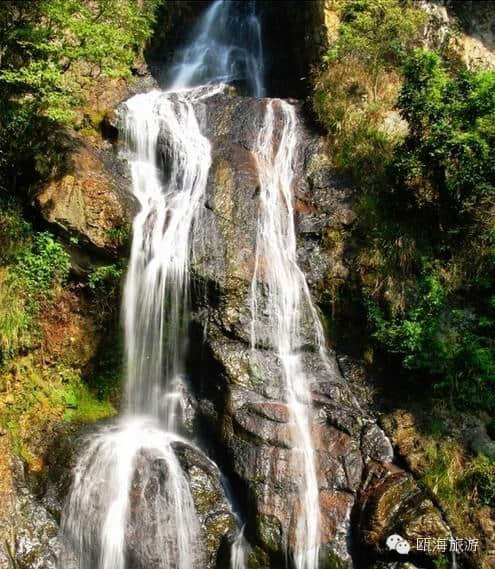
(52, 52)
(53, 47)
(458, 482)
(378, 34)
(445, 168)
(443, 471)
(81, 405)
(105, 277)
(333, 561)
(105, 280)
(62, 388)
(40, 264)
(119, 235)
(14, 228)
(441, 562)
(481, 479)
(16, 326)
(417, 331)
(45, 396)
(359, 82)
(34, 265)
(425, 236)
(441, 192)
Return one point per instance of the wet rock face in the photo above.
(240, 393)
(28, 531)
(215, 515)
(240, 409)
(391, 503)
(216, 520)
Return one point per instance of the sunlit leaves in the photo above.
(53, 48)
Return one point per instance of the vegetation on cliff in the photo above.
(439, 210)
(414, 130)
(47, 339)
(425, 229)
(56, 327)
(53, 52)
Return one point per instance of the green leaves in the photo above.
(452, 127)
(356, 88)
(57, 44)
(41, 263)
(32, 266)
(51, 53)
(429, 305)
(377, 32)
(425, 83)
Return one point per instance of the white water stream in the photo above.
(286, 303)
(124, 456)
(226, 48)
(129, 477)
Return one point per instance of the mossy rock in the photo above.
(270, 534)
(332, 561)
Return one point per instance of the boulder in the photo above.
(217, 522)
(391, 503)
(28, 531)
(88, 202)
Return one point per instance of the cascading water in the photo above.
(130, 504)
(99, 513)
(157, 278)
(285, 304)
(104, 520)
(227, 49)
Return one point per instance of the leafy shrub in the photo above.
(379, 34)
(106, 280)
(425, 236)
(53, 48)
(445, 168)
(40, 264)
(52, 53)
(359, 81)
(34, 265)
(481, 479)
(14, 228)
(119, 235)
(440, 192)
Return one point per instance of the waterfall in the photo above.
(156, 289)
(99, 517)
(286, 303)
(238, 556)
(130, 504)
(226, 49)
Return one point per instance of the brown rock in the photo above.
(86, 201)
(69, 330)
(392, 503)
